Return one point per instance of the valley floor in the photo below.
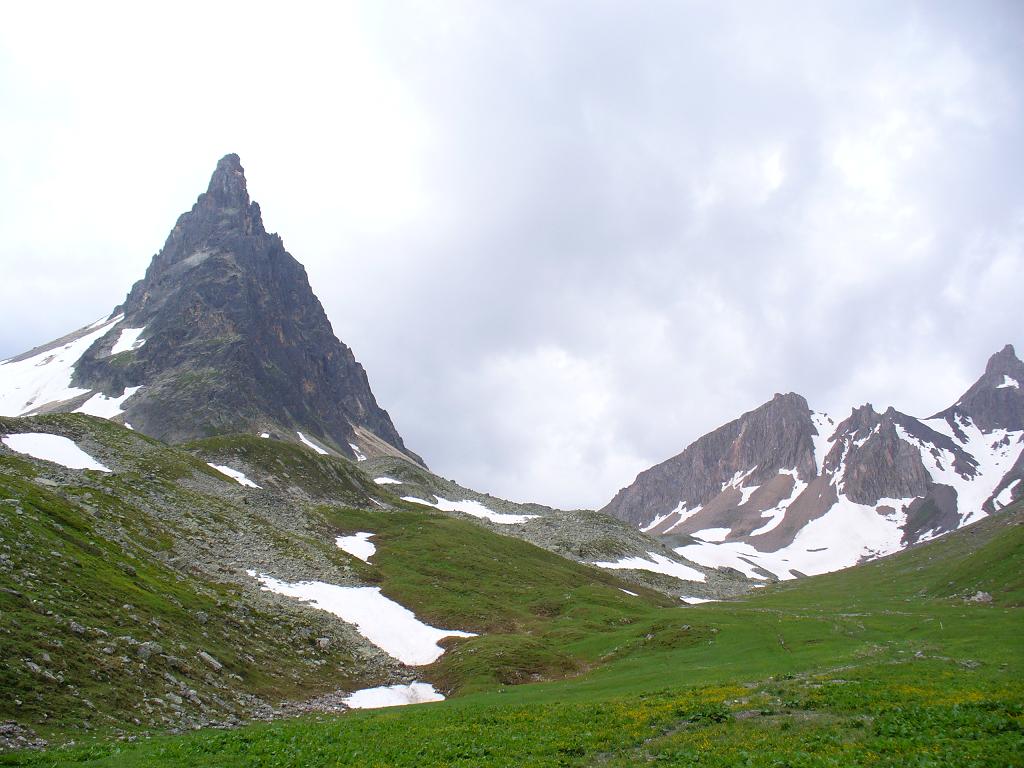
(889, 664)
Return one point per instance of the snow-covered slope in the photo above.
(784, 491)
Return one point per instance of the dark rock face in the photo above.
(878, 462)
(235, 339)
(996, 400)
(778, 435)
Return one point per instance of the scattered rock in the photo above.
(145, 650)
(980, 597)
(211, 662)
(323, 643)
(15, 736)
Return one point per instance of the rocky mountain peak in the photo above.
(220, 221)
(227, 185)
(996, 400)
(776, 435)
(224, 334)
(1005, 362)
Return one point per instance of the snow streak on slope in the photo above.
(826, 428)
(55, 448)
(393, 696)
(778, 512)
(474, 508)
(234, 474)
(391, 627)
(306, 441)
(657, 564)
(45, 378)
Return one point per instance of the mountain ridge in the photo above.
(752, 491)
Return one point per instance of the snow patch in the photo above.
(234, 474)
(386, 481)
(390, 626)
(128, 341)
(357, 452)
(393, 696)
(1006, 495)
(357, 545)
(634, 594)
(1008, 382)
(657, 564)
(474, 508)
(264, 435)
(311, 444)
(712, 534)
(27, 385)
(55, 448)
(106, 407)
(697, 600)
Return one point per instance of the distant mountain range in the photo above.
(784, 491)
(222, 335)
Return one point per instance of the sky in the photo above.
(565, 239)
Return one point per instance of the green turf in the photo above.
(882, 665)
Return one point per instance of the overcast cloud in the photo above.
(564, 238)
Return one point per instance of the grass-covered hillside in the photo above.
(128, 606)
(913, 660)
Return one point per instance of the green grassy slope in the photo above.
(95, 566)
(882, 665)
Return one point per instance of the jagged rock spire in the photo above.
(236, 340)
(227, 185)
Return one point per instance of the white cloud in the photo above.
(564, 240)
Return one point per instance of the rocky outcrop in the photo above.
(875, 462)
